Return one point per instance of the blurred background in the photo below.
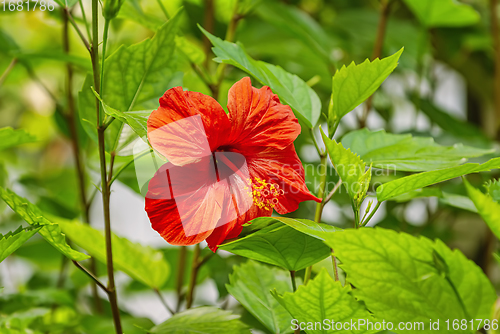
(444, 87)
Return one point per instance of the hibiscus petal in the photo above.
(187, 126)
(258, 118)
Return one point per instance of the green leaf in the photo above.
(280, 245)
(398, 278)
(454, 200)
(202, 320)
(405, 152)
(136, 77)
(142, 263)
(251, 284)
(416, 181)
(486, 206)
(66, 3)
(309, 227)
(10, 137)
(324, 300)
(443, 13)
(290, 88)
(348, 165)
(353, 84)
(192, 51)
(493, 187)
(11, 241)
(82, 62)
(33, 216)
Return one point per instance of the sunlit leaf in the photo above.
(142, 263)
(324, 299)
(251, 284)
(402, 278)
(353, 84)
(280, 245)
(416, 181)
(486, 206)
(309, 227)
(405, 152)
(10, 137)
(290, 88)
(33, 216)
(66, 3)
(11, 241)
(443, 13)
(202, 320)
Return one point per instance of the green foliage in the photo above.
(396, 275)
(353, 84)
(309, 227)
(10, 137)
(136, 77)
(272, 244)
(405, 152)
(405, 184)
(11, 241)
(493, 188)
(443, 13)
(49, 231)
(251, 284)
(290, 88)
(486, 206)
(144, 264)
(323, 298)
(66, 3)
(202, 320)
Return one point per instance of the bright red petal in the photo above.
(187, 126)
(258, 118)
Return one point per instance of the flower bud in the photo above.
(111, 8)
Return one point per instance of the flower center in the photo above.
(265, 194)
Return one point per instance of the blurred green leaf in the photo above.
(202, 320)
(251, 284)
(443, 13)
(290, 88)
(395, 275)
(11, 241)
(135, 78)
(192, 51)
(33, 216)
(102, 325)
(349, 167)
(142, 263)
(132, 10)
(323, 300)
(82, 62)
(454, 200)
(353, 84)
(273, 244)
(486, 206)
(416, 181)
(309, 227)
(66, 3)
(10, 137)
(493, 188)
(405, 152)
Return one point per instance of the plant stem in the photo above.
(377, 52)
(179, 282)
(73, 23)
(163, 9)
(367, 220)
(335, 268)
(104, 185)
(307, 275)
(104, 45)
(80, 169)
(92, 276)
(163, 301)
(292, 277)
(321, 191)
(194, 273)
(9, 68)
(330, 195)
(84, 18)
(496, 43)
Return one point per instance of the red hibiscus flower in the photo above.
(223, 170)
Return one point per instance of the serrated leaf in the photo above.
(405, 152)
(10, 137)
(142, 263)
(443, 13)
(251, 284)
(348, 165)
(50, 231)
(353, 84)
(486, 206)
(290, 88)
(202, 320)
(309, 227)
(280, 245)
(135, 78)
(416, 181)
(11, 241)
(396, 276)
(325, 299)
(493, 188)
